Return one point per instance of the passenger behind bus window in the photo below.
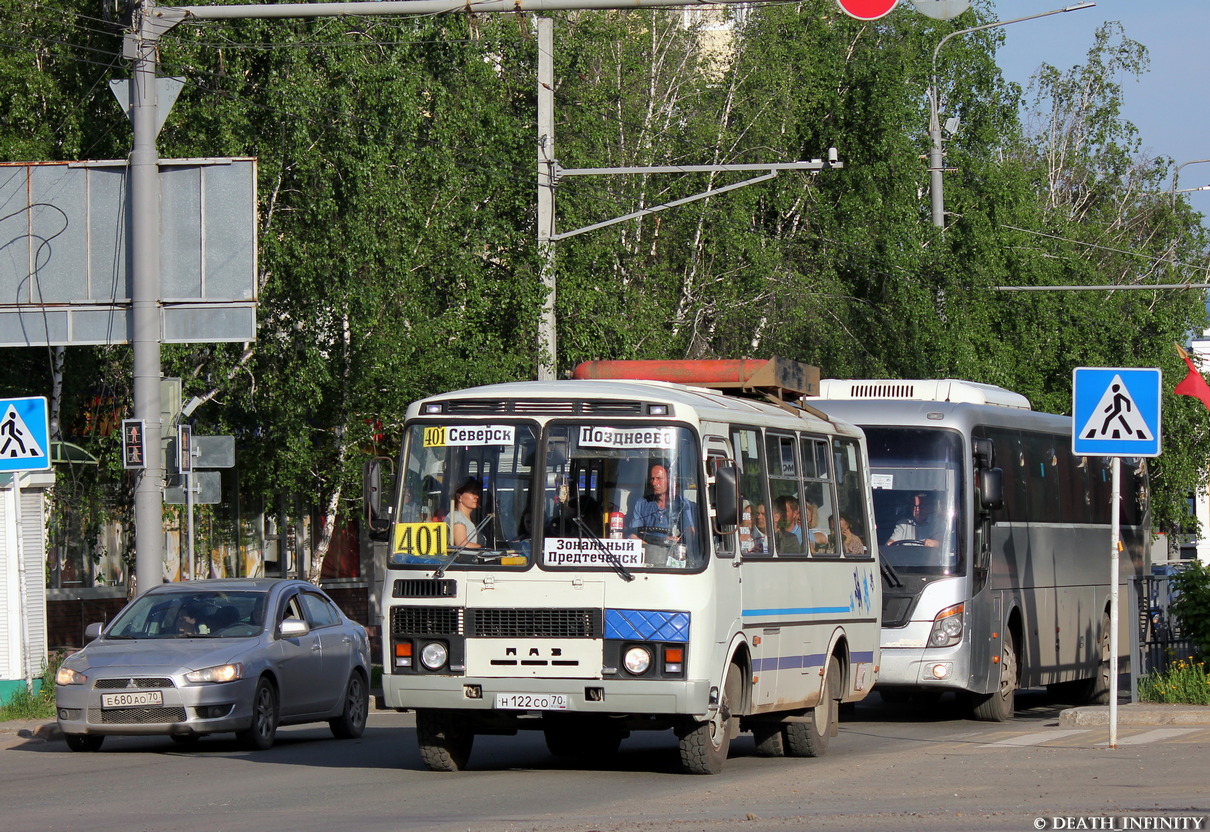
(760, 530)
(466, 501)
(850, 542)
(925, 525)
(817, 536)
(660, 517)
(789, 524)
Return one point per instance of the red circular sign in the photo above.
(867, 9)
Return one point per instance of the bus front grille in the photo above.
(426, 620)
(534, 623)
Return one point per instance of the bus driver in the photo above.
(659, 517)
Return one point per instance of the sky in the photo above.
(1169, 105)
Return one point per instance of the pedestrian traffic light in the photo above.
(134, 444)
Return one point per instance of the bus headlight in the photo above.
(434, 655)
(637, 660)
(947, 627)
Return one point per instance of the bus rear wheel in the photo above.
(810, 738)
(445, 740)
(704, 745)
(1000, 705)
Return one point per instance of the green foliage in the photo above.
(1185, 683)
(396, 162)
(39, 704)
(1191, 586)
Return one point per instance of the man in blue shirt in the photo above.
(659, 518)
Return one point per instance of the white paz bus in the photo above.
(995, 543)
(613, 553)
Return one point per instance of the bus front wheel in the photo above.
(445, 741)
(704, 745)
(1000, 705)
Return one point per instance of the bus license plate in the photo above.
(134, 699)
(532, 701)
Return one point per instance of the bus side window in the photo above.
(854, 525)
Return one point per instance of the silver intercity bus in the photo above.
(995, 542)
(597, 556)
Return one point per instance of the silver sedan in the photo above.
(207, 657)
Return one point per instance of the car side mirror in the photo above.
(93, 631)
(293, 628)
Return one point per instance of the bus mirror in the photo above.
(991, 488)
(984, 453)
(374, 495)
(726, 489)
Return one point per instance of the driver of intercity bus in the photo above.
(926, 526)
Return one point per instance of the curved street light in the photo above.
(1176, 175)
(936, 160)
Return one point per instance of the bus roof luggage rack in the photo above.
(931, 390)
(779, 377)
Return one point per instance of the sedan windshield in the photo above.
(191, 615)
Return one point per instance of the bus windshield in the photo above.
(466, 497)
(916, 475)
(622, 496)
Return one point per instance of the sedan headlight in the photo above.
(947, 627)
(67, 676)
(221, 673)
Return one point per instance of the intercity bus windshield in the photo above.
(916, 475)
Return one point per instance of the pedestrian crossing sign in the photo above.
(1115, 412)
(24, 435)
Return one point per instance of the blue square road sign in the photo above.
(24, 434)
(1115, 411)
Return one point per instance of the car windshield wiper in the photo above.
(610, 557)
(458, 550)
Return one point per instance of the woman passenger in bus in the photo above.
(466, 500)
(817, 538)
(849, 541)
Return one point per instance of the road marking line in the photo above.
(1034, 739)
(1152, 736)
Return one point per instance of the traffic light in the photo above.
(134, 444)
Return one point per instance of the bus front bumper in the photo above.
(597, 696)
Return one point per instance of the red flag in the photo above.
(1194, 384)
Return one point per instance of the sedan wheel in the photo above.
(352, 721)
(84, 742)
(260, 734)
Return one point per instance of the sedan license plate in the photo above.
(133, 699)
(532, 701)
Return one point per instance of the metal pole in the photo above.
(144, 224)
(1114, 555)
(936, 157)
(189, 522)
(547, 335)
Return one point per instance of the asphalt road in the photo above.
(890, 768)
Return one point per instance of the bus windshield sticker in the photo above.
(878, 481)
(575, 551)
(640, 438)
(441, 436)
(426, 540)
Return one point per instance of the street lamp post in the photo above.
(936, 157)
(1176, 175)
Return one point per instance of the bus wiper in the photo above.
(889, 574)
(611, 558)
(458, 550)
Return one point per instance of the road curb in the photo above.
(1136, 713)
